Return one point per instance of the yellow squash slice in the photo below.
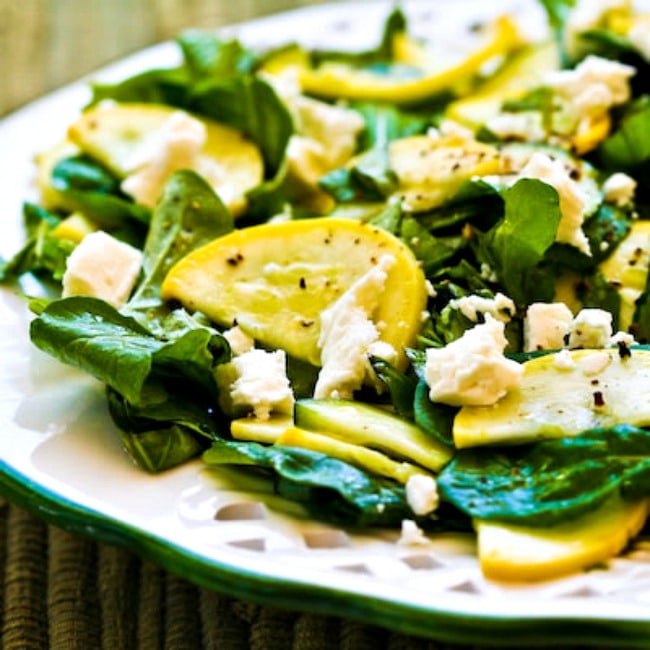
(274, 280)
(340, 81)
(521, 554)
(113, 133)
(597, 388)
(627, 269)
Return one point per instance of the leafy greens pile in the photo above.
(158, 361)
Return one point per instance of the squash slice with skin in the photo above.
(524, 554)
(275, 279)
(627, 269)
(520, 74)
(555, 400)
(113, 133)
(339, 81)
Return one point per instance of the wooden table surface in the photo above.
(46, 43)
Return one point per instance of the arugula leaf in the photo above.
(90, 189)
(207, 55)
(250, 105)
(161, 86)
(188, 215)
(401, 386)
(329, 488)
(629, 146)
(368, 179)
(167, 434)
(42, 252)
(91, 335)
(517, 244)
(433, 418)
(551, 481)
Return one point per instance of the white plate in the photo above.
(61, 457)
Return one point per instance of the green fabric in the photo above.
(62, 591)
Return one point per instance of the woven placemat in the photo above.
(63, 591)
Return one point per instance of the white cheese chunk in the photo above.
(411, 534)
(619, 189)
(591, 328)
(326, 138)
(348, 333)
(472, 370)
(546, 325)
(102, 267)
(255, 381)
(175, 146)
(422, 494)
(572, 201)
(500, 307)
(526, 126)
(238, 340)
(589, 90)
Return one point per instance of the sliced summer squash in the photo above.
(522, 72)
(363, 424)
(627, 269)
(431, 170)
(257, 430)
(274, 280)
(522, 554)
(336, 80)
(361, 456)
(113, 133)
(600, 388)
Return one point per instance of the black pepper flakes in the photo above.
(599, 400)
(624, 351)
(235, 259)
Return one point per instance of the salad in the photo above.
(411, 289)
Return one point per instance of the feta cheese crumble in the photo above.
(587, 92)
(472, 370)
(619, 189)
(422, 494)
(238, 340)
(591, 328)
(348, 335)
(102, 267)
(546, 325)
(175, 146)
(411, 534)
(326, 138)
(255, 381)
(500, 307)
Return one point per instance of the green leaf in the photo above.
(89, 334)
(330, 489)
(162, 86)
(250, 105)
(435, 419)
(551, 481)
(206, 55)
(42, 253)
(629, 146)
(517, 244)
(400, 385)
(188, 215)
(90, 189)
